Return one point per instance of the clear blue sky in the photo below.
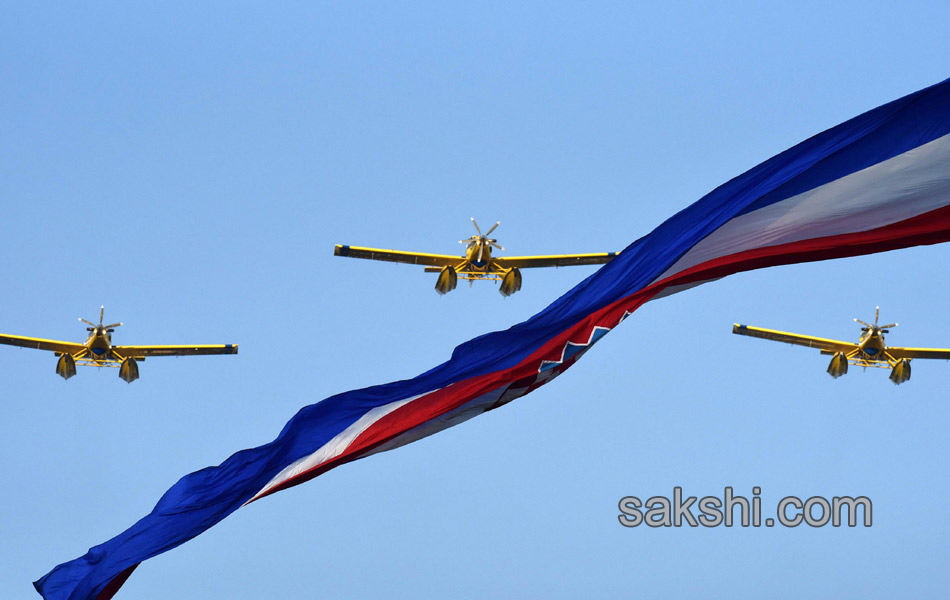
(191, 167)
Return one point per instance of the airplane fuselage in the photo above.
(872, 344)
(472, 256)
(99, 344)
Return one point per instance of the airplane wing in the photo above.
(40, 344)
(144, 351)
(554, 260)
(919, 353)
(413, 258)
(825, 345)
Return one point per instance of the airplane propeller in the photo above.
(875, 328)
(482, 239)
(102, 312)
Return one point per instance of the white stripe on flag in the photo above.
(891, 191)
(335, 446)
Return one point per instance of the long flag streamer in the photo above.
(877, 182)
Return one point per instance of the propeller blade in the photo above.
(877, 310)
(111, 325)
(476, 226)
(87, 322)
(493, 228)
(888, 326)
(481, 247)
(495, 245)
(862, 322)
(102, 311)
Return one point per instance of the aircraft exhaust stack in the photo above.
(447, 280)
(839, 365)
(901, 371)
(66, 366)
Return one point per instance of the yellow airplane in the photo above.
(98, 350)
(870, 351)
(478, 262)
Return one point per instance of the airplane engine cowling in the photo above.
(901, 371)
(129, 370)
(838, 365)
(511, 282)
(447, 280)
(66, 366)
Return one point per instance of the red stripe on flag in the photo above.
(929, 228)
